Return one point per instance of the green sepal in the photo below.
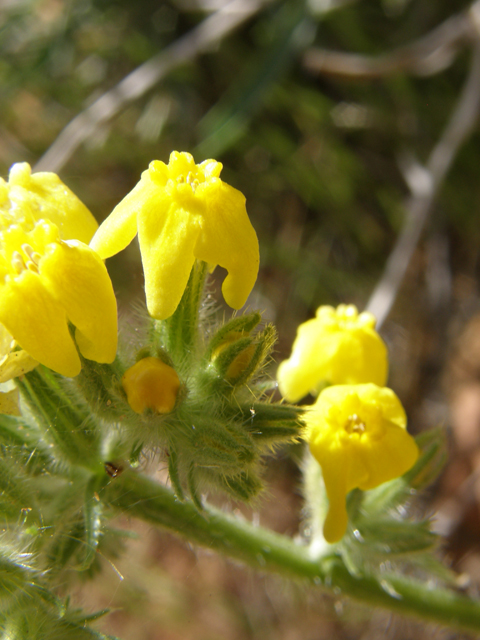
(238, 362)
(244, 486)
(15, 571)
(173, 472)
(237, 327)
(101, 387)
(272, 424)
(395, 537)
(17, 492)
(178, 334)
(65, 423)
(22, 440)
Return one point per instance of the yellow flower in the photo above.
(338, 346)
(47, 282)
(182, 212)
(28, 198)
(151, 384)
(357, 433)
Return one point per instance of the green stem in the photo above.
(143, 498)
(179, 332)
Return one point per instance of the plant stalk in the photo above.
(141, 497)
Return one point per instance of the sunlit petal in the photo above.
(338, 346)
(228, 239)
(45, 196)
(38, 323)
(77, 278)
(167, 255)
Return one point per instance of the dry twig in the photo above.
(136, 84)
(426, 56)
(425, 183)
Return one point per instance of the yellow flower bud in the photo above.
(338, 346)
(357, 433)
(151, 384)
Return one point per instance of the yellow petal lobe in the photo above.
(44, 196)
(76, 277)
(38, 323)
(45, 283)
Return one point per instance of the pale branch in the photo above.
(426, 56)
(418, 207)
(209, 32)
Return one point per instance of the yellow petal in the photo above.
(392, 409)
(38, 323)
(228, 239)
(47, 197)
(119, 229)
(78, 280)
(357, 434)
(167, 245)
(334, 476)
(388, 458)
(6, 342)
(310, 363)
(16, 364)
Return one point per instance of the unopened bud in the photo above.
(151, 384)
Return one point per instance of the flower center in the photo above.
(190, 179)
(27, 258)
(355, 424)
(22, 250)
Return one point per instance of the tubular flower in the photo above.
(182, 212)
(28, 198)
(151, 384)
(45, 283)
(357, 433)
(338, 346)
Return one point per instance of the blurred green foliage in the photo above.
(316, 155)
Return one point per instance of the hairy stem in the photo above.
(147, 500)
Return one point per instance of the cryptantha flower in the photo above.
(357, 433)
(338, 346)
(182, 212)
(49, 277)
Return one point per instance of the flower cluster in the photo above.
(58, 309)
(356, 429)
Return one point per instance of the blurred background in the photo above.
(352, 129)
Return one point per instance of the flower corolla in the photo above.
(338, 346)
(183, 211)
(357, 433)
